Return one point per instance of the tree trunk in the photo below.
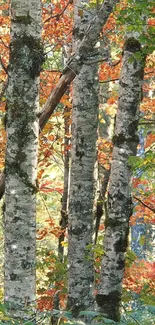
(104, 134)
(83, 158)
(67, 49)
(73, 65)
(64, 208)
(26, 55)
(119, 207)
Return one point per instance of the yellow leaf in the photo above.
(102, 121)
(64, 244)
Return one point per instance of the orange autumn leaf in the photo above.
(150, 139)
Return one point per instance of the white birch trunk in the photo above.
(83, 158)
(119, 207)
(21, 155)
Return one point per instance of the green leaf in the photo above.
(2, 308)
(131, 257)
(89, 313)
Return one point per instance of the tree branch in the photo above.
(149, 122)
(76, 61)
(57, 16)
(3, 65)
(117, 79)
(145, 205)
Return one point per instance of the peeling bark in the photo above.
(119, 207)
(26, 55)
(75, 63)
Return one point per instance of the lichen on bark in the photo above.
(26, 55)
(82, 182)
(27, 52)
(119, 207)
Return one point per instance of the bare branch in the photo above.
(3, 65)
(149, 122)
(57, 16)
(142, 202)
(96, 61)
(109, 80)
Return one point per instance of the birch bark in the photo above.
(77, 60)
(83, 158)
(21, 155)
(119, 207)
(73, 65)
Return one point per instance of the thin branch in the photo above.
(145, 205)
(149, 148)
(57, 16)
(52, 70)
(3, 65)
(149, 122)
(115, 63)
(45, 205)
(96, 61)
(102, 60)
(150, 72)
(109, 80)
(7, 46)
(117, 79)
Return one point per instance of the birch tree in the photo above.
(26, 56)
(83, 158)
(119, 207)
(73, 66)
